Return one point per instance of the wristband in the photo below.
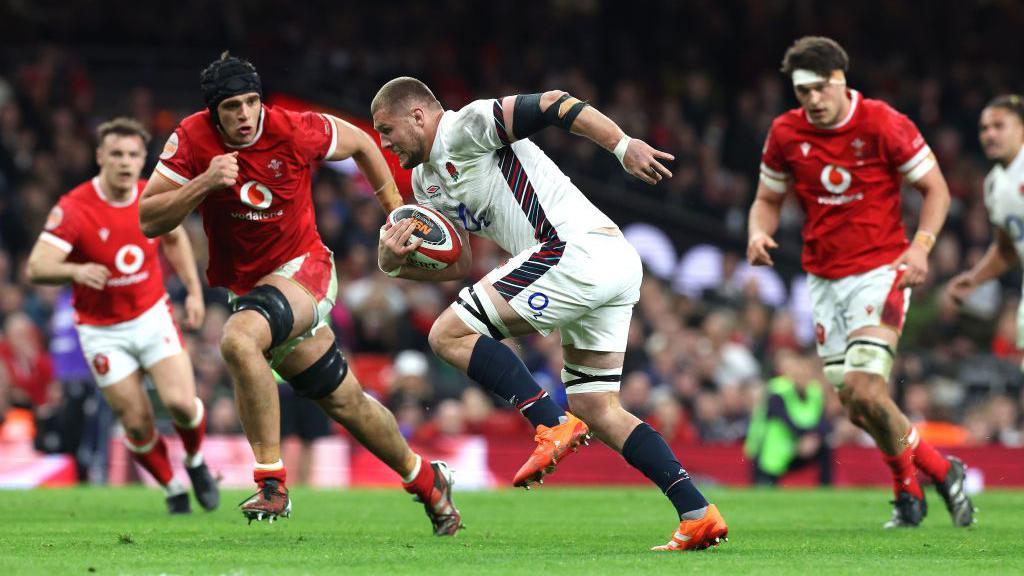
(926, 239)
(620, 149)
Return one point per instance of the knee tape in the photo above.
(479, 313)
(272, 305)
(835, 368)
(871, 355)
(323, 377)
(580, 379)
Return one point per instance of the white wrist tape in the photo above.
(620, 149)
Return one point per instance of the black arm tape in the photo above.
(272, 305)
(527, 119)
(323, 376)
(564, 121)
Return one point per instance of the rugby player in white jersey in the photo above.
(571, 270)
(1001, 131)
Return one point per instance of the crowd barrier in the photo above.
(485, 463)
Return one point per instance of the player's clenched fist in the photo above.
(757, 250)
(92, 275)
(223, 170)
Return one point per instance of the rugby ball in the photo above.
(441, 245)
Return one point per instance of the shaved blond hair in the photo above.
(403, 89)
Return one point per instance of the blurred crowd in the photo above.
(696, 79)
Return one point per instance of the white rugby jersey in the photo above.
(512, 194)
(1004, 199)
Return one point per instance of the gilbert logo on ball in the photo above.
(441, 245)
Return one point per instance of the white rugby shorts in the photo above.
(115, 351)
(317, 274)
(847, 304)
(585, 286)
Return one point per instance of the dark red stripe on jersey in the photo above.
(521, 188)
(511, 284)
(499, 123)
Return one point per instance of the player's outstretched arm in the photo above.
(394, 249)
(1000, 257)
(351, 142)
(526, 114)
(165, 204)
(178, 249)
(914, 261)
(47, 264)
(762, 223)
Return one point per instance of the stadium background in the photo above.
(698, 79)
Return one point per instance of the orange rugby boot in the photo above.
(553, 445)
(698, 534)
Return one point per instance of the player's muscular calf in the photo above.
(866, 396)
(365, 418)
(605, 416)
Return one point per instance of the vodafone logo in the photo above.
(129, 259)
(836, 179)
(255, 195)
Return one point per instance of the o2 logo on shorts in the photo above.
(255, 195)
(836, 179)
(1015, 227)
(129, 259)
(538, 301)
(469, 222)
(101, 364)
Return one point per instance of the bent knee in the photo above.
(236, 345)
(181, 410)
(445, 332)
(137, 427)
(593, 407)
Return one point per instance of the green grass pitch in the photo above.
(550, 531)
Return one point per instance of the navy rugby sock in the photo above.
(499, 370)
(648, 452)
